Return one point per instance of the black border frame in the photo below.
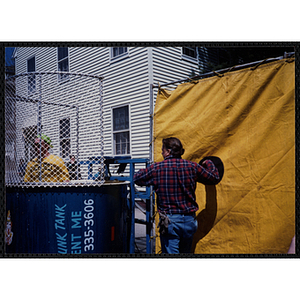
(296, 46)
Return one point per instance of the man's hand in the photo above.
(204, 164)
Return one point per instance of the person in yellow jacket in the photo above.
(53, 168)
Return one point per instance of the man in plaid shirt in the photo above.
(175, 180)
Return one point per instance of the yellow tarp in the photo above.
(247, 118)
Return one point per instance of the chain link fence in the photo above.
(54, 130)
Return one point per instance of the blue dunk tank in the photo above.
(79, 217)
(68, 220)
(58, 197)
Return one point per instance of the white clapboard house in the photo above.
(127, 72)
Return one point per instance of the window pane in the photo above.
(190, 51)
(122, 143)
(115, 52)
(65, 147)
(64, 134)
(64, 128)
(120, 118)
(122, 50)
(62, 52)
(118, 51)
(31, 78)
(63, 66)
(31, 65)
(31, 83)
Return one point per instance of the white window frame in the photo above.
(188, 57)
(31, 78)
(118, 57)
(66, 58)
(114, 152)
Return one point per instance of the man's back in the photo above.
(175, 181)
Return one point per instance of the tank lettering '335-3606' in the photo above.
(75, 243)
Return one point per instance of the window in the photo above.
(64, 137)
(190, 51)
(29, 134)
(117, 51)
(63, 62)
(31, 77)
(121, 133)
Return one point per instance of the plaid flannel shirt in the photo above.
(175, 181)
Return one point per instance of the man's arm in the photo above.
(208, 171)
(143, 177)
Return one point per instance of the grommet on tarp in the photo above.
(218, 164)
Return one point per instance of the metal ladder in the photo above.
(134, 194)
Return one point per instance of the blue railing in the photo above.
(121, 175)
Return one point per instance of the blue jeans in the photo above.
(180, 234)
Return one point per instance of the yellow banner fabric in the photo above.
(247, 118)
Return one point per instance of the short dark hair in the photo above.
(175, 145)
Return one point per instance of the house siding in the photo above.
(170, 65)
(126, 82)
(45, 58)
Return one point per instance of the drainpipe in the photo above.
(150, 204)
(151, 102)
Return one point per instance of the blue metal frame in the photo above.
(123, 161)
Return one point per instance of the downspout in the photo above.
(151, 102)
(150, 219)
